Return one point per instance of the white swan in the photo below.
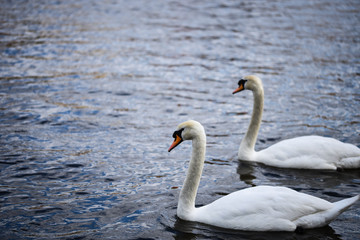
(307, 152)
(262, 208)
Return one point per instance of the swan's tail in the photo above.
(350, 162)
(321, 219)
(341, 206)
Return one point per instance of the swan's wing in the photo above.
(261, 208)
(311, 152)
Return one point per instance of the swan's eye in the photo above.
(178, 133)
(242, 82)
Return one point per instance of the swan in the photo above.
(261, 208)
(306, 152)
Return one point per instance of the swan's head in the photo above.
(250, 82)
(187, 131)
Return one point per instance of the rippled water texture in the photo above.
(91, 92)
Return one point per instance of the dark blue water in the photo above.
(91, 92)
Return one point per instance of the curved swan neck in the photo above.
(188, 192)
(247, 146)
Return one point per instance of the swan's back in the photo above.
(262, 208)
(314, 152)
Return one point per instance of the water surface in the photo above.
(91, 92)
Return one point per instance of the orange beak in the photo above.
(239, 89)
(176, 142)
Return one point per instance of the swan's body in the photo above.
(261, 208)
(307, 152)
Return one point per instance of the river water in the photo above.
(91, 92)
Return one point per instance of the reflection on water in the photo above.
(191, 230)
(90, 93)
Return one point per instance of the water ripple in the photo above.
(91, 92)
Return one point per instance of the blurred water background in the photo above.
(91, 92)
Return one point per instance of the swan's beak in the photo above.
(176, 142)
(239, 89)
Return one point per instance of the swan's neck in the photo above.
(247, 146)
(188, 192)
